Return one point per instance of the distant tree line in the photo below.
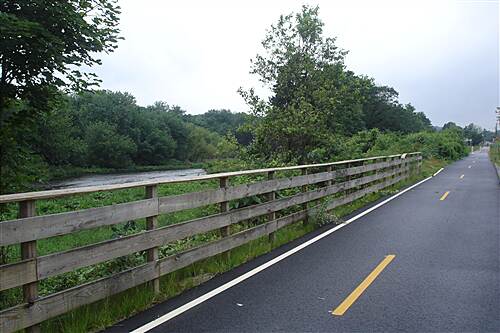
(109, 130)
(474, 134)
(225, 122)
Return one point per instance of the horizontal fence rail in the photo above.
(318, 187)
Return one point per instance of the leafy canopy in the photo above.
(45, 44)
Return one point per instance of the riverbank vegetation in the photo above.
(495, 153)
(318, 111)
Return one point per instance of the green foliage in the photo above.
(321, 216)
(107, 148)
(383, 111)
(488, 136)
(224, 122)
(42, 47)
(201, 143)
(447, 144)
(495, 153)
(474, 134)
(228, 147)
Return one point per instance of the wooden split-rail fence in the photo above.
(328, 185)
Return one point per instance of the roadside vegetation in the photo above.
(495, 153)
(318, 111)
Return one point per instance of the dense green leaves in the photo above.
(43, 45)
(107, 148)
(225, 122)
(382, 110)
(315, 101)
(117, 133)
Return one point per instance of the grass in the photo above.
(495, 153)
(106, 312)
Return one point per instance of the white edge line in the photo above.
(437, 172)
(174, 313)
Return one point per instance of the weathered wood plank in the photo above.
(199, 199)
(152, 254)
(304, 189)
(361, 193)
(186, 258)
(224, 205)
(271, 196)
(21, 316)
(29, 252)
(38, 227)
(90, 189)
(17, 274)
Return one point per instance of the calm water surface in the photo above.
(109, 179)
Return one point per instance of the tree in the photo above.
(474, 133)
(451, 125)
(225, 122)
(313, 95)
(107, 148)
(43, 47)
(382, 110)
(488, 135)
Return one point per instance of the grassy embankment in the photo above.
(495, 153)
(106, 312)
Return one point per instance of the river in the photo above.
(108, 179)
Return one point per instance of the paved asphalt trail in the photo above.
(445, 276)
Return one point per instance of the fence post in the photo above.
(271, 216)
(152, 223)
(224, 207)
(405, 166)
(419, 163)
(362, 174)
(349, 178)
(390, 168)
(303, 190)
(28, 251)
(329, 169)
(399, 168)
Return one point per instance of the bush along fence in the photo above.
(286, 195)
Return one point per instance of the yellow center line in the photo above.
(462, 176)
(444, 195)
(344, 306)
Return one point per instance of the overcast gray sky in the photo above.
(441, 55)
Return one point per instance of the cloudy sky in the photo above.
(441, 55)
